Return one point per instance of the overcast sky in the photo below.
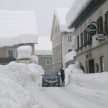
(44, 10)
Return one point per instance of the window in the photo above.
(10, 53)
(77, 42)
(89, 39)
(102, 63)
(100, 25)
(81, 39)
(69, 38)
(69, 50)
(85, 37)
(47, 61)
(106, 22)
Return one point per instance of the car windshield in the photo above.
(50, 73)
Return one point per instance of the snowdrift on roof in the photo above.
(17, 27)
(61, 13)
(75, 10)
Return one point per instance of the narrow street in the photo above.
(72, 97)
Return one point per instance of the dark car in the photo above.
(51, 78)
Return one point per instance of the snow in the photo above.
(44, 52)
(20, 87)
(24, 52)
(95, 81)
(19, 39)
(17, 27)
(69, 56)
(14, 23)
(76, 8)
(61, 13)
(81, 91)
(34, 59)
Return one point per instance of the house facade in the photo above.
(9, 53)
(61, 38)
(45, 59)
(92, 48)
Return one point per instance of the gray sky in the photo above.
(44, 10)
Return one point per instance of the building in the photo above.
(61, 38)
(91, 43)
(17, 28)
(45, 59)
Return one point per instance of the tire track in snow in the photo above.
(56, 98)
(71, 97)
(87, 95)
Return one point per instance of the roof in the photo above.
(76, 8)
(60, 14)
(83, 11)
(18, 23)
(44, 52)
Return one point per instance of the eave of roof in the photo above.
(86, 12)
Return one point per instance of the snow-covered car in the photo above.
(51, 78)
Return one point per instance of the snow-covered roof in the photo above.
(60, 14)
(24, 52)
(15, 24)
(16, 40)
(76, 8)
(44, 52)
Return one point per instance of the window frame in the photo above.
(100, 25)
(47, 61)
(10, 53)
(69, 49)
(69, 38)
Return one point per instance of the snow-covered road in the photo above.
(72, 96)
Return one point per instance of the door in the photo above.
(91, 66)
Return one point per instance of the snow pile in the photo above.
(37, 71)
(61, 13)
(24, 52)
(18, 86)
(73, 68)
(75, 10)
(96, 81)
(69, 56)
(34, 59)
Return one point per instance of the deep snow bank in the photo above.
(96, 81)
(18, 86)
